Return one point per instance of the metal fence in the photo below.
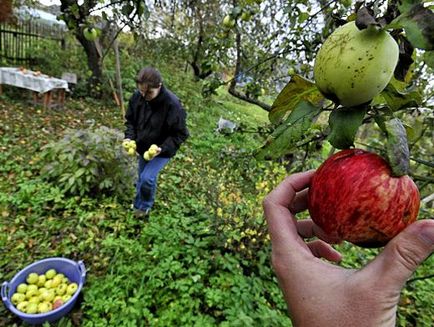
(18, 39)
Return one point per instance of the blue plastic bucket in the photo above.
(75, 271)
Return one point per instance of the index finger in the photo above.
(281, 224)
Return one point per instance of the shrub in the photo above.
(89, 162)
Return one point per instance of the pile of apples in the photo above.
(43, 293)
(151, 153)
(130, 146)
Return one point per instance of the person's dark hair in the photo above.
(149, 76)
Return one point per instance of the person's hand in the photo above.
(319, 293)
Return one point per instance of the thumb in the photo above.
(403, 254)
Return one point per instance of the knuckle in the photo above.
(407, 255)
(267, 202)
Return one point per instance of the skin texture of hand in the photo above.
(320, 293)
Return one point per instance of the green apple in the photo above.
(228, 22)
(90, 33)
(131, 151)
(48, 296)
(22, 306)
(41, 280)
(61, 276)
(44, 307)
(48, 284)
(126, 144)
(34, 299)
(22, 288)
(72, 288)
(31, 293)
(18, 298)
(32, 287)
(353, 66)
(147, 156)
(66, 297)
(50, 273)
(61, 289)
(32, 308)
(32, 278)
(152, 152)
(42, 290)
(56, 281)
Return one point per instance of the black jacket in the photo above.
(160, 121)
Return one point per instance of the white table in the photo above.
(37, 82)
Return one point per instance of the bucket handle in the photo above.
(82, 269)
(4, 295)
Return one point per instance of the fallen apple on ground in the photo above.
(353, 196)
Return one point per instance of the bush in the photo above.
(89, 162)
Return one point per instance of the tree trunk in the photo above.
(94, 64)
(233, 84)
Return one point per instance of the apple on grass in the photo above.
(353, 196)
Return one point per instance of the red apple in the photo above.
(58, 303)
(353, 196)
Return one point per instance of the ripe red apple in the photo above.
(57, 304)
(354, 197)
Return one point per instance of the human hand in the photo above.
(319, 293)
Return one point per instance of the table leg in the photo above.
(35, 98)
(61, 97)
(1, 89)
(47, 99)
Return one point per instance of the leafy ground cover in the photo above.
(203, 258)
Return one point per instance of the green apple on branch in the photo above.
(353, 66)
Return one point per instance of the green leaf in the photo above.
(302, 17)
(398, 153)
(428, 57)
(344, 123)
(397, 97)
(296, 90)
(414, 130)
(292, 130)
(417, 22)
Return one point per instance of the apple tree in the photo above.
(307, 112)
(87, 27)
